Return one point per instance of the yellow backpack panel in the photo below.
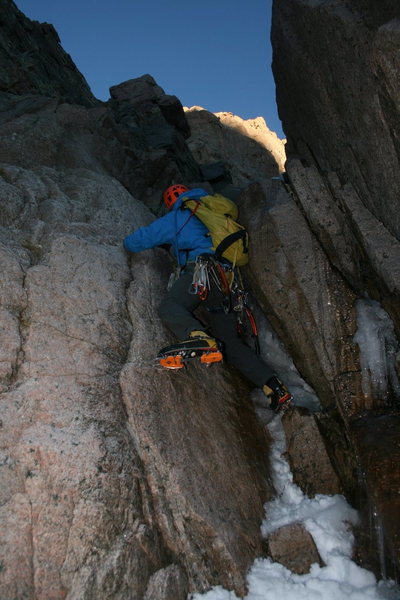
(219, 214)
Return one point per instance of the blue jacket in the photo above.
(185, 232)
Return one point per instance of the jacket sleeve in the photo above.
(157, 233)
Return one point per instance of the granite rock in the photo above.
(293, 547)
(335, 66)
(247, 148)
(34, 62)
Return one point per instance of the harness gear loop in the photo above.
(228, 280)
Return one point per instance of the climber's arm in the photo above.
(156, 234)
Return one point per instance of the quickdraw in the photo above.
(206, 270)
(201, 280)
(228, 281)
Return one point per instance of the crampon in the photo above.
(177, 356)
(284, 403)
(277, 392)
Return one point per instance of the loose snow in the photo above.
(328, 519)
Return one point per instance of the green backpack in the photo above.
(219, 214)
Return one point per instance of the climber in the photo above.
(190, 242)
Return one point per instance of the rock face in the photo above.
(335, 65)
(249, 150)
(98, 472)
(119, 480)
(336, 70)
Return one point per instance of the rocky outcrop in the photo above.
(33, 61)
(152, 127)
(293, 547)
(247, 148)
(117, 480)
(130, 140)
(307, 456)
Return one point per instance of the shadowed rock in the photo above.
(167, 584)
(33, 61)
(335, 65)
(309, 461)
(336, 71)
(378, 444)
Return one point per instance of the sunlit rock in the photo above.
(249, 150)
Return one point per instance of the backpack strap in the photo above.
(230, 239)
(192, 212)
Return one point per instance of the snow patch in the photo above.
(327, 519)
(274, 353)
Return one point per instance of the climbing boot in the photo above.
(199, 345)
(196, 337)
(278, 394)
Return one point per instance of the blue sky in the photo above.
(213, 53)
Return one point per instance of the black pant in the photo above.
(176, 313)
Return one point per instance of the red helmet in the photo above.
(171, 194)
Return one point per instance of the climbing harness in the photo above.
(228, 281)
(208, 270)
